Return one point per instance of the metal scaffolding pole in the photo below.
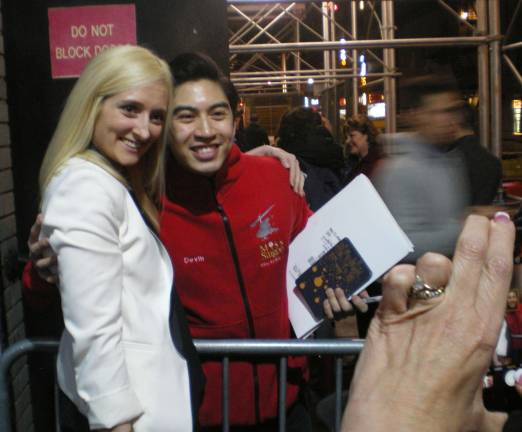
(297, 58)
(289, 72)
(303, 78)
(333, 112)
(513, 21)
(326, 37)
(495, 78)
(245, 28)
(513, 68)
(390, 93)
(355, 80)
(262, 30)
(350, 35)
(483, 76)
(512, 46)
(230, 2)
(456, 15)
(259, 93)
(359, 44)
(284, 86)
(277, 76)
(333, 54)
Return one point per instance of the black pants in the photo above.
(70, 419)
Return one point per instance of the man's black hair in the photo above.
(415, 90)
(195, 66)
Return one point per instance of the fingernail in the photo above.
(518, 376)
(502, 217)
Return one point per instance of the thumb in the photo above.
(492, 422)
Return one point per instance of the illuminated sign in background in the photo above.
(77, 34)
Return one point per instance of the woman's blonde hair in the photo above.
(113, 71)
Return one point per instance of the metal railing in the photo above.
(225, 349)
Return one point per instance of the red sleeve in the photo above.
(38, 294)
(303, 212)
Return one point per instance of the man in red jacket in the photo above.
(227, 222)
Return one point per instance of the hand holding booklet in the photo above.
(349, 243)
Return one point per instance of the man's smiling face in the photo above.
(202, 126)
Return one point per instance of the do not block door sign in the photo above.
(77, 34)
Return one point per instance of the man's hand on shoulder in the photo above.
(40, 253)
(288, 160)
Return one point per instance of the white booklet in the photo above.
(358, 213)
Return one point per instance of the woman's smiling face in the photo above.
(129, 123)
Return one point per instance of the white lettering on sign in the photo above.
(73, 52)
(101, 30)
(78, 31)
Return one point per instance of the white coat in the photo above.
(117, 361)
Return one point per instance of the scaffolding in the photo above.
(260, 74)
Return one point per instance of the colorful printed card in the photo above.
(356, 213)
(341, 267)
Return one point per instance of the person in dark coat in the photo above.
(363, 151)
(254, 134)
(302, 133)
(484, 170)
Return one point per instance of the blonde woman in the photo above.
(125, 354)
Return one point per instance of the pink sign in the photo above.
(77, 34)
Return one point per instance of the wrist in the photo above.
(401, 401)
(397, 415)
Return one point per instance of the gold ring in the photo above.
(420, 290)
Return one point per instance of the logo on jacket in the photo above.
(271, 252)
(265, 228)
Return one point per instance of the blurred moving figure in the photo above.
(302, 133)
(425, 186)
(362, 149)
(514, 323)
(255, 135)
(484, 170)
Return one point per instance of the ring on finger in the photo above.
(420, 290)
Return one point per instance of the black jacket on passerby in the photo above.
(255, 136)
(321, 184)
(320, 157)
(484, 170)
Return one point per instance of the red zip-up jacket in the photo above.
(228, 237)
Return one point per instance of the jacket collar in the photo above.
(196, 191)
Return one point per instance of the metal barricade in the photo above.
(226, 349)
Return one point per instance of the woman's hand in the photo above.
(422, 365)
(288, 160)
(40, 253)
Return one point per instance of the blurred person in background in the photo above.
(425, 186)
(362, 149)
(484, 170)
(303, 134)
(255, 135)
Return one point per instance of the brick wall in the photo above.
(11, 309)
